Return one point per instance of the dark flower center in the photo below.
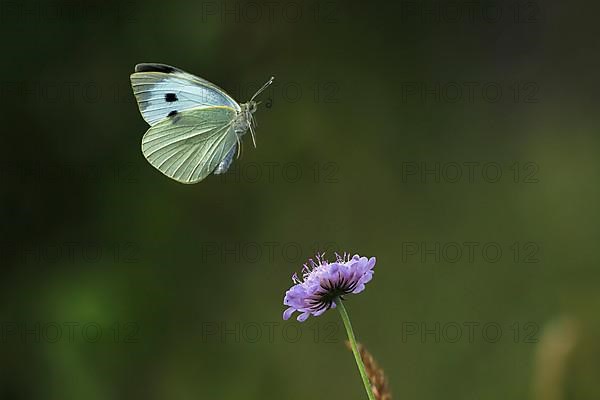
(331, 290)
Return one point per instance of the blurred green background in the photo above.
(118, 283)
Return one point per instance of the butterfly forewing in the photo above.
(189, 145)
(161, 90)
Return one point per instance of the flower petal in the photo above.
(303, 317)
(359, 288)
(371, 263)
(288, 313)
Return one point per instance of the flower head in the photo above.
(323, 282)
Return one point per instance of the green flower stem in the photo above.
(352, 339)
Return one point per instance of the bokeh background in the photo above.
(118, 283)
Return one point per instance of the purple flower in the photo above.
(322, 283)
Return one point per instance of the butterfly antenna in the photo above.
(266, 85)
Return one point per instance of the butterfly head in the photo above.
(250, 107)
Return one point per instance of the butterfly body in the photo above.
(242, 123)
(244, 118)
(195, 127)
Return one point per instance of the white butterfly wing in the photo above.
(226, 162)
(161, 90)
(188, 146)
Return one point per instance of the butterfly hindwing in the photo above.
(187, 146)
(161, 90)
(226, 163)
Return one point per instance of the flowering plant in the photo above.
(323, 286)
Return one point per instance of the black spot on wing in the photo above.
(171, 97)
(155, 68)
(172, 113)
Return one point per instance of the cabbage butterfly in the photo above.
(195, 127)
